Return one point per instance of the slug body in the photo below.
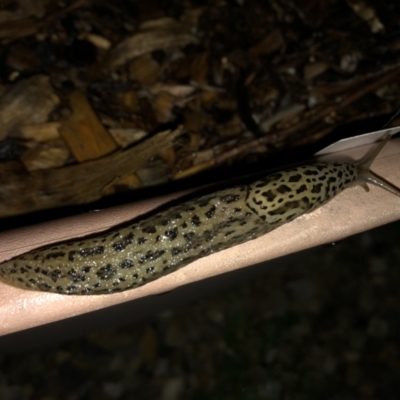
(160, 244)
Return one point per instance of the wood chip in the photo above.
(99, 41)
(40, 132)
(83, 132)
(174, 90)
(163, 106)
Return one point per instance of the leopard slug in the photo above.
(160, 244)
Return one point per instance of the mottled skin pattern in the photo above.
(146, 250)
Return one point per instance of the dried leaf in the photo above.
(28, 102)
(126, 136)
(174, 90)
(144, 69)
(46, 156)
(155, 35)
(312, 70)
(271, 43)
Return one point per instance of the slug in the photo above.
(160, 244)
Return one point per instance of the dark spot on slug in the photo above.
(208, 236)
(175, 251)
(105, 272)
(91, 251)
(196, 220)
(301, 189)
(54, 255)
(126, 264)
(310, 172)
(269, 195)
(316, 188)
(172, 233)
(189, 236)
(154, 255)
(55, 275)
(295, 178)
(44, 286)
(122, 244)
(210, 213)
(283, 189)
(71, 255)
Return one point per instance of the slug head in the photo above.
(365, 175)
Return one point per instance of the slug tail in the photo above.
(367, 176)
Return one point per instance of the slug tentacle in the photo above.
(365, 175)
(131, 256)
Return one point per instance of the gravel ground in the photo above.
(327, 327)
